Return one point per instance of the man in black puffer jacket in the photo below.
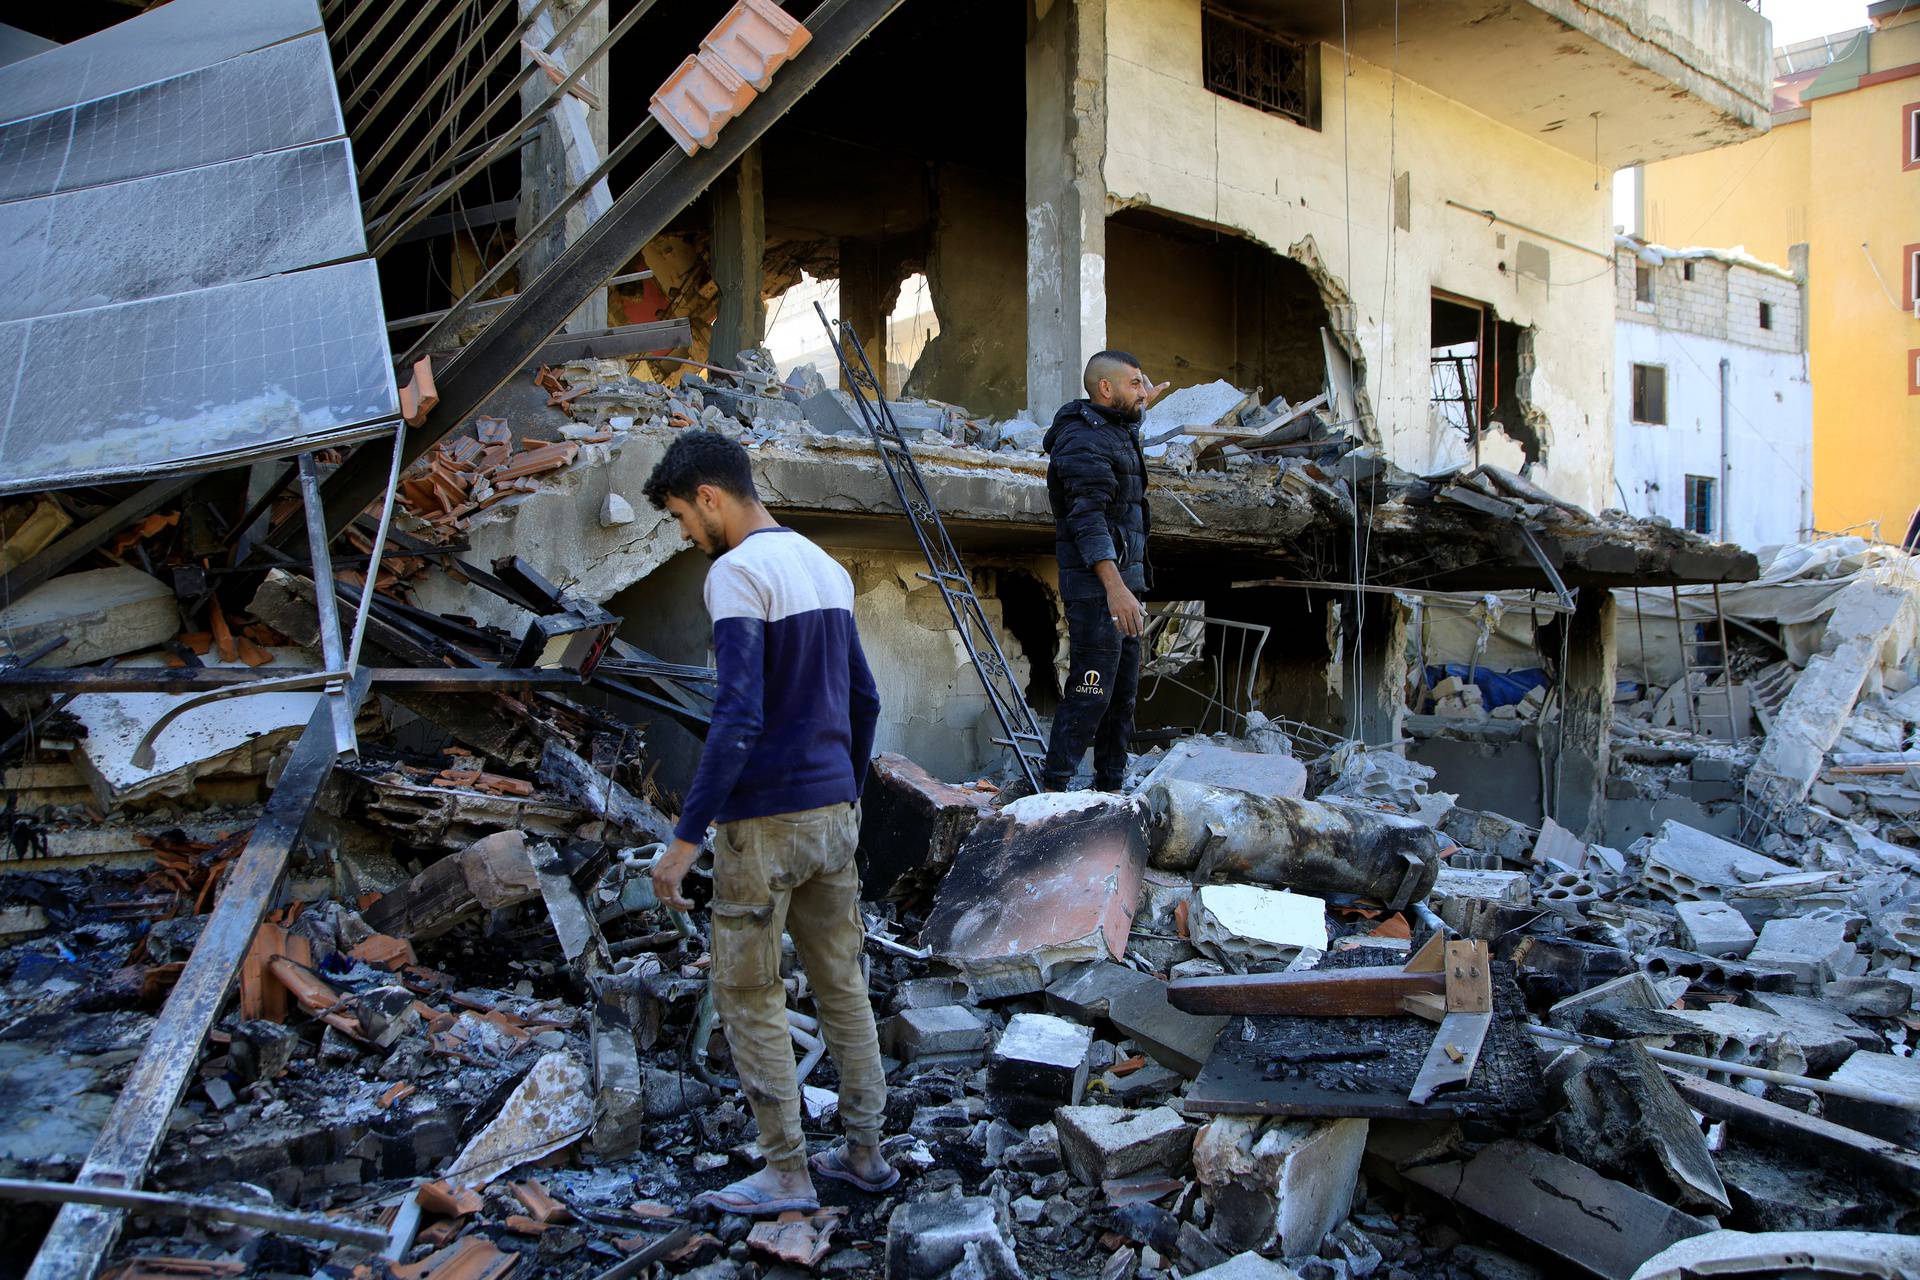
(1097, 486)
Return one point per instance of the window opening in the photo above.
(1910, 137)
(1650, 394)
(1700, 504)
(1686, 271)
(1475, 364)
(1259, 68)
(1766, 315)
(1642, 283)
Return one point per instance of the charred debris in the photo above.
(1291, 1004)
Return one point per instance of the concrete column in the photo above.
(739, 247)
(1578, 799)
(570, 144)
(1375, 695)
(1066, 199)
(864, 302)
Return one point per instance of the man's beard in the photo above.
(713, 537)
(1129, 415)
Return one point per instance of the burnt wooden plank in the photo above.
(1785, 1127)
(1373, 990)
(82, 1235)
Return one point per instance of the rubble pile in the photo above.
(1271, 1011)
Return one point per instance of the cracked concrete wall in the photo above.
(1176, 147)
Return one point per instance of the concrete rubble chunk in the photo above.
(942, 1036)
(1490, 833)
(1590, 1220)
(1814, 947)
(1098, 1143)
(1629, 990)
(1714, 929)
(1243, 924)
(551, 1107)
(103, 613)
(1623, 1118)
(1135, 1004)
(1685, 863)
(1737, 1034)
(1260, 773)
(1205, 404)
(1040, 1063)
(911, 826)
(1885, 1072)
(1827, 1035)
(967, 1235)
(1871, 1254)
(1278, 1186)
(1247, 1266)
(1050, 880)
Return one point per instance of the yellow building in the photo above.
(1834, 188)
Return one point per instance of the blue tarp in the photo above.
(1497, 688)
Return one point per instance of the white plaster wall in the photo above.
(1175, 146)
(1769, 488)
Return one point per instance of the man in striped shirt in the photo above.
(785, 759)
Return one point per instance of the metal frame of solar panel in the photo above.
(183, 271)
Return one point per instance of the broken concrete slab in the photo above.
(1624, 1119)
(551, 1107)
(1629, 990)
(1201, 760)
(929, 1238)
(103, 613)
(234, 736)
(1241, 924)
(1776, 1253)
(1218, 833)
(943, 1036)
(1815, 948)
(1135, 1005)
(1040, 1063)
(1050, 880)
(1735, 1034)
(1882, 1071)
(1714, 929)
(1827, 1035)
(1098, 1143)
(1278, 1185)
(1564, 1207)
(1683, 863)
(1205, 404)
(1506, 839)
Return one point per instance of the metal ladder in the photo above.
(949, 573)
(1689, 706)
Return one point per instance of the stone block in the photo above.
(1247, 1266)
(1050, 880)
(1098, 1143)
(1261, 773)
(1278, 1186)
(103, 613)
(1814, 947)
(928, 1238)
(1040, 1063)
(1624, 1119)
(1714, 929)
(927, 993)
(945, 1036)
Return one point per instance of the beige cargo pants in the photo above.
(794, 873)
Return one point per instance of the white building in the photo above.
(1713, 408)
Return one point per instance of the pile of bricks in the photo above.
(466, 474)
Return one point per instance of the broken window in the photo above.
(1475, 362)
(1700, 504)
(1650, 394)
(1642, 283)
(1766, 315)
(1256, 67)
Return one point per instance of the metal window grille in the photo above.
(1700, 504)
(1258, 68)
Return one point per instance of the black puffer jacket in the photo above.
(1097, 486)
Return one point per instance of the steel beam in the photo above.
(605, 248)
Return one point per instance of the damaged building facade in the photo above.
(351, 685)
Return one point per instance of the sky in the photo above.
(1793, 21)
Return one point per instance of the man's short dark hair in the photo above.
(1104, 364)
(696, 458)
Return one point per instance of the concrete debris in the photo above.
(968, 1237)
(1099, 1144)
(1260, 773)
(1278, 1185)
(1241, 924)
(1827, 1253)
(552, 1106)
(1040, 1063)
(1623, 1118)
(99, 613)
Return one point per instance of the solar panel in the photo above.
(165, 41)
(242, 219)
(262, 101)
(253, 369)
